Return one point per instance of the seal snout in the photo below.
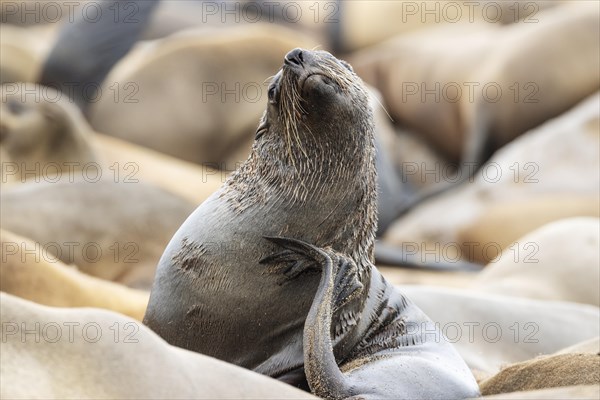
(294, 58)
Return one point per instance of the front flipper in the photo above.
(338, 272)
(293, 265)
(298, 257)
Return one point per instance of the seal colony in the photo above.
(230, 285)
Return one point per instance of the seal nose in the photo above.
(294, 57)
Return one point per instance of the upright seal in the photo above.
(224, 289)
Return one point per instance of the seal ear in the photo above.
(345, 64)
(262, 126)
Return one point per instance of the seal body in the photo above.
(210, 294)
(38, 134)
(111, 230)
(310, 176)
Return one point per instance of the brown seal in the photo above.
(486, 85)
(223, 289)
(100, 353)
(31, 272)
(111, 230)
(204, 79)
(43, 133)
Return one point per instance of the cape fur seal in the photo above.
(101, 353)
(499, 210)
(31, 273)
(115, 231)
(93, 38)
(530, 73)
(310, 176)
(179, 93)
(42, 133)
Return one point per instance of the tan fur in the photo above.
(501, 56)
(125, 361)
(558, 261)
(16, 13)
(18, 63)
(419, 163)
(545, 372)
(581, 392)
(193, 182)
(43, 133)
(366, 23)
(441, 55)
(563, 74)
(174, 113)
(554, 182)
(49, 133)
(526, 214)
(114, 231)
(22, 51)
(31, 273)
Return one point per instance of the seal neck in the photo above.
(336, 178)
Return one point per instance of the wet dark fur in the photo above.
(310, 176)
(302, 154)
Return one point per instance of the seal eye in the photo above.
(328, 81)
(271, 95)
(260, 131)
